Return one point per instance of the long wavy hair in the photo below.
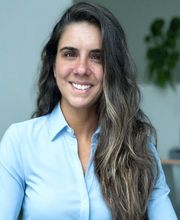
(124, 165)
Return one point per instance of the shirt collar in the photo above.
(56, 122)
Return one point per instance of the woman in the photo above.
(87, 154)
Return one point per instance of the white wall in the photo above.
(24, 28)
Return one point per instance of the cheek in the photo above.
(62, 70)
(99, 76)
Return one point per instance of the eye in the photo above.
(69, 54)
(96, 57)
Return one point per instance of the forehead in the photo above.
(81, 34)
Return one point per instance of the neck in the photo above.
(82, 121)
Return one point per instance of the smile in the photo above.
(81, 87)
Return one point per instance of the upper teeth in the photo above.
(81, 87)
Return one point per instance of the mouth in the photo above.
(81, 87)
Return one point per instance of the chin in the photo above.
(82, 105)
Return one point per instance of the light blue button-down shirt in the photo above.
(40, 171)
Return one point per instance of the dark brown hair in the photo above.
(124, 164)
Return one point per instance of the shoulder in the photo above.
(31, 125)
(160, 188)
(159, 205)
(16, 143)
(25, 128)
(19, 133)
(151, 144)
(160, 185)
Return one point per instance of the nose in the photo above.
(82, 66)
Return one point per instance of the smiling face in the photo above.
(78, 67)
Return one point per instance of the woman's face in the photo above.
(78, 67)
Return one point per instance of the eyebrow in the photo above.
(75, 49)
(97, 51)
(67, 48)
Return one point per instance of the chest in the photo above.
(84, 153)
(56, 187)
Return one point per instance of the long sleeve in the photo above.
(11, 177)
(160, 206)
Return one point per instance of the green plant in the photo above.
(162, 51)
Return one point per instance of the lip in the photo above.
(81, 91)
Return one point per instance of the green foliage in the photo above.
(162, 52)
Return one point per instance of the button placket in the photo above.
(84, 197)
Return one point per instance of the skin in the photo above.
(79, 75)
